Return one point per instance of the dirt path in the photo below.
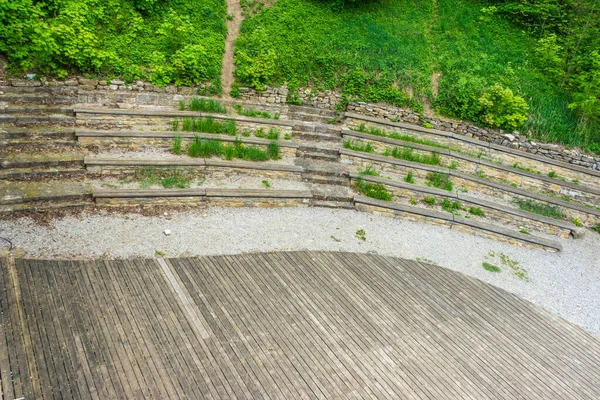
(233, 30)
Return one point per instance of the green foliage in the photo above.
(407, 154)
(439, 180)
(167, 41)
(266, 183)
(429, 200)
(209, 125)
(273, 150)
(451, 206)
(249, 112)
(176, 148)
(209, 105)
(490, 267)
(374, 190)
(404, 137)
(359, 146)
(546, 210)
(596, 228)
(208, 148)
(368, 171)
(477, 211)
(409, 178)
(168, 178)
(500, 108)
(273, 133)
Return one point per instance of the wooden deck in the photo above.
(296, 325)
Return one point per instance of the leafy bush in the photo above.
(500, 108)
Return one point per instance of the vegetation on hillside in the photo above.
(510, 64)
(164, 41)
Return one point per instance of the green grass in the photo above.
(266, 184)
(209, 125)
(176, 147)
(489, 267)
(373, 190)
(209, 148)
(596, 228)
(361, 234)
(546, 210)
(525, 232)
(409, 178)
(477, 211)
(451, 206)
(249, 112)
(369, 171)
(439, 180)
(175, 125)
(210, 105)
(273, 133)
(168, 178)
(408, 154)
(399, 136)
(429, 200)
(359, 146)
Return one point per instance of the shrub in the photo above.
(500, 108)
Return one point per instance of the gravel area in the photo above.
(566, 283)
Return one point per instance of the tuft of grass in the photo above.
(369, 170)
(357, 146)
(596, 228)
(175, 125)
(413, 201)
(546, 210)
(167, 178)
(249, 112)
(451, 206)
(408, 154)
(205, 148)
(176, 148)
(287, 136)
(399, 136)
(373, 190)
(273, 134)
(525, 232)
(210, 105)
(181, 105)
(439, 180)
(273, 150)
(409, 178)
(209, 125)
(552, 174)
(266, 183)
(453, 165)
(477, 211)
(429, 200)
(361, 235)
(246, 134)
(490, 267)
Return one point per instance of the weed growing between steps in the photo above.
(489, 267)
(398, 136)
(373, 190)
(477, 212)
(249, 112)
(430, 201)
(208, 125)
(273, 133)
(596, 228)
(451, 206)
(439, 180)
(365, 148)
(546, 210)
(238, 150)
(176, 147)
(409, 178)
(407, 154)
(368, 171)
(204, 105)
(168, 178)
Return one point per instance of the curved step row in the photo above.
(511, 156)
(586, 215)
(452, 221)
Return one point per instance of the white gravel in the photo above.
(566, 283)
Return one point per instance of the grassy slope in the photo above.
(404, 42)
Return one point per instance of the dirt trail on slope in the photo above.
(233, 30)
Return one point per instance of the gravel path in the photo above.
(566, 283)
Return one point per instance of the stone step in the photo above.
(36, 110)
(44, 206)
(37, 120)
(31, 133)
(38, 99)
(331, 193)
(18, 192)
(304, 148)
(347, 205)
(40, 173)
(40, 90)
(318, 156)
(40, 159)
(451, 221)
(325, 180)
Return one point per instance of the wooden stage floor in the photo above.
(298, 325)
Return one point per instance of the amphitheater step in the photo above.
(37, 132)
(333, 204)
(36, 110)
(15, 196)
(331, 193)
(18, 120)
(36, 160)
(325, 179)
(40, 173)
(454, 222)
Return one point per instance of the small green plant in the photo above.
(552, 174)
(490, 267)
(266, 183)
(577, 222)
(516, 267)
(481, 173)
(167, 178)
(361, 235)
(246, 134)
(408, 154)
(181, 105)
(277, 115)
(369, 170)
(404, 137)
(159, 253)
(287, 136)
(546, 210)
(429, 200)
(451, 206)
(362, 147)
(176, 148)
(477, 211)
(273, 150)
(439, 180)
(453, 165)
(210, 105)
(409, 178)
(373, 190)
(209, 125)
(576, 181)
(427, 125)
(175, 125)
(525, 232)
(273, 134)
(413, 201)
(249, 112)
(596, 228)
(335, 239)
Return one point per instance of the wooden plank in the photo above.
(7, 388)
